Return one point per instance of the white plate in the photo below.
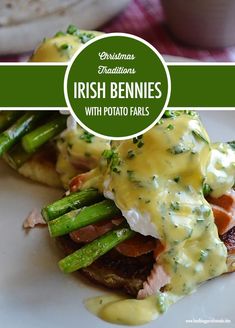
(27, 22)
(34, 293)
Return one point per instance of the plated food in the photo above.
(39, 146)
(38, 153)
(155, 218)
(152, 216)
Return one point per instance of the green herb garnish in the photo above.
(112, 159)
(175, 206)
(132, 178)
(64, 46)
(175, 113)
(161, 302)
(130, 154)
(198, 135)
(179, 149)
(138, 141)
(170, 127)
(87, 137)
(206, 189)
(203, 255)
(72, 29)
(85, 37)
(60, 33)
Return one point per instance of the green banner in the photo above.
(42, 86)
(202, 86)
(32, 86)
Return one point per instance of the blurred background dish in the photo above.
(144, 18)
(24, 23)
(203, 23)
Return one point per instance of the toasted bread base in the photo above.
(229, 240)
(42, 167)
(116, 271)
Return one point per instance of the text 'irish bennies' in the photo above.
(120, 90)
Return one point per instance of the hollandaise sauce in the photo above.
(79, 151)
(157, 180)
(62, 46)
(120, 310)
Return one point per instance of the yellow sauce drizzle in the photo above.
(162, 183)
(79, 151)
(159, 179)
(60, 48)
(120, 310)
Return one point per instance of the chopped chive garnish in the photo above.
(64, 46)
(87, 137)
(130, 154)
(175, 206)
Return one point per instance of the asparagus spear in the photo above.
(35, 139)
(8, 117)
(92, 251)
(82, 217)
(74, 201)
(16, 156)
(10, 136)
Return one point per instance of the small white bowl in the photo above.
(203, 23)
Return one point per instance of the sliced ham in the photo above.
(33, 219)
(223, 219)
(224, 214)
(93, 231)
(157, 279)
(224, 211)
(77, 182)
(134, 247)
(160, 248)
(137, 246)
(227, 201)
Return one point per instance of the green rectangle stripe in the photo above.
(32, 86)
(192, 86)
(202, 86)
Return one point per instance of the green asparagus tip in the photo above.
(83, 217)
(71, 202)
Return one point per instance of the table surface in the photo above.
(145, 18)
